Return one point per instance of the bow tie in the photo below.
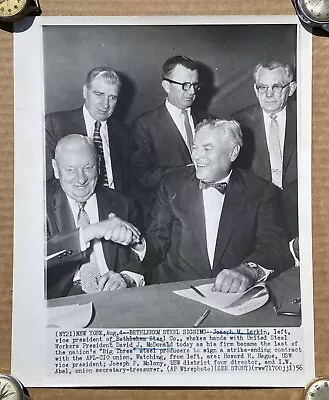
(221, 187)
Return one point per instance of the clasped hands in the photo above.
(113, 228)
(235, 280)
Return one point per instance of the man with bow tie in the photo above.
(213, 221)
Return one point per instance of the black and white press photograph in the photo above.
(171, 158)
(171, 161)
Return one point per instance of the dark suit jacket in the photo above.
(158, 149)
(63, 235)
(254, 156)
(249, 228)
(63, 123)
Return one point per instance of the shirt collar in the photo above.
(226, 179)
(74, 206)
(175, 110)
(90, 121)
(280, 115)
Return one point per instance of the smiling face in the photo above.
(76, 167)
(176, 95)
(101, 98)
(269, 101)
(213, 153)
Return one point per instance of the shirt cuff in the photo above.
(291, 248)
(263, 273)
(141, 254)
(137, 278)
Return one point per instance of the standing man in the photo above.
(164, 136)
(87, 232)
(94, 119)
(270, 135)
(210, 220)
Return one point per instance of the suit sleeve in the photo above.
(67, 242)
(271, 249)
(144, 161)
(51, 141)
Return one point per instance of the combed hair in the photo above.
(67, 141)
(106, 73)
(172, 62)
(230, 127)
(270, 65)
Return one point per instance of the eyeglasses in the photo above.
(185, 85)
(275, 88)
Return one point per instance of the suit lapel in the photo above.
(78, 121)
(232, 208)
(63, 216)
(174, 136)
(261, 143)
(105, 206)
(290, 140)
(116, 158)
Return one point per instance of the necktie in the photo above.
(102, 179)
(188, 130)
(89, 271)
(221, 187)
(274, 149)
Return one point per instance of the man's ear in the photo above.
(84, 91)
(235, 152)
(55, 168)
(255, 90)
(292, 87)
(165, 85)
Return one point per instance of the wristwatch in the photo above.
(14, 10)
(314, 13)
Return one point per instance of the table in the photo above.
(157, 306)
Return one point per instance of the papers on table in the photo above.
(230, 303)
(70, 317)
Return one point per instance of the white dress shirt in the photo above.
(91, 209)
(90, 126)
(213, 202)
(281, 119)
(178, 118)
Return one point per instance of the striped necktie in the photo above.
(274, 149)
(102, 179)
(188, 129)
(89, 271)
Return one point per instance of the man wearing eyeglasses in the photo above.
(270, 135)
(164, 136)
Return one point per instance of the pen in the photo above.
(197, 291)
(201, 319)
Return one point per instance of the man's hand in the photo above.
(113, 228)
(111, 281)
(235, 280)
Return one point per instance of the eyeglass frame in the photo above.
(196, 85)
(274, 91)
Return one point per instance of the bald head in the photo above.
(76, 166)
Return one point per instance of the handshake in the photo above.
(115, 229)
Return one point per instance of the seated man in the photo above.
(86, 229)
(210, 220)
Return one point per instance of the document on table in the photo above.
(230, 303)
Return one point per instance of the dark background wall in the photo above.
(227, 56)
